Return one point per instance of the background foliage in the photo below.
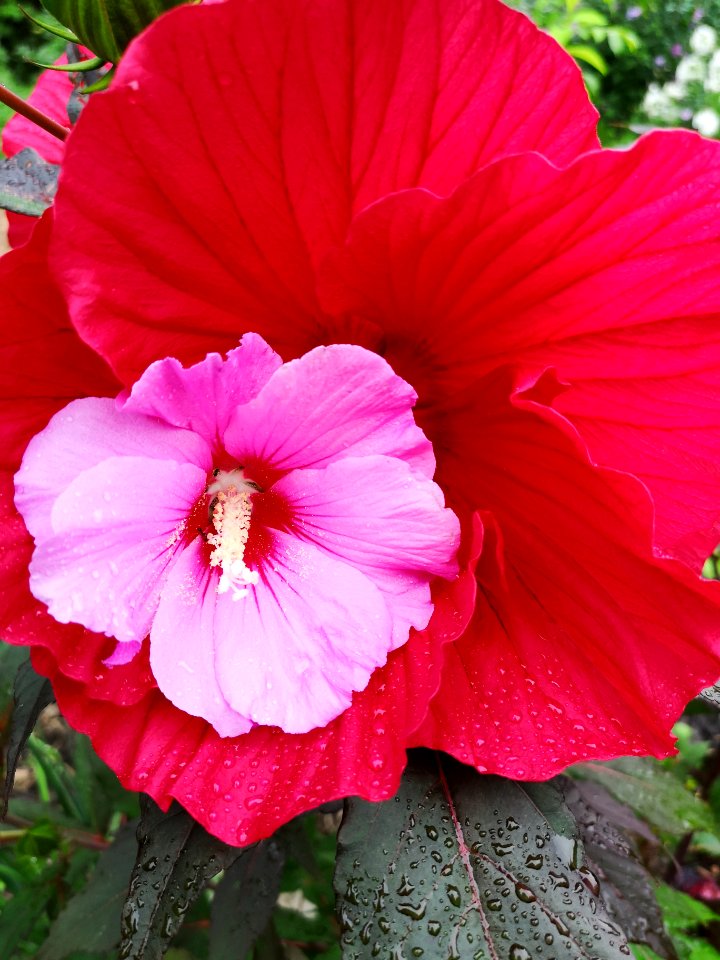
(20, 42)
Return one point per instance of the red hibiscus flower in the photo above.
(424, 181)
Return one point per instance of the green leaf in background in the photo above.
(107, 26)
(652, 791)
(682, 912)
(467, 866)
(628, 888)
(31, 693)
(687, 919)
(588, 54)
(27, 183)
(176, 858)
(91, 920)
(29, 905)
(244, 900)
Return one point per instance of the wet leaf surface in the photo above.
(244, 900)
(652, 791)
(176, 857)
(465, 867)
(27, 183)
(712, 695)
(628, 888)
(31, 693)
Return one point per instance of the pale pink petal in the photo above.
(334, 402)
(183, 642)
(244, 789)
(202, 398)
(292, 652)
(384, 519)
(83, 434)
(117, 527)
(123, 653)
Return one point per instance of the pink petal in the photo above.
(292, 652)
(386, 521)
(202, 398)
(83, 434)
(584, 643)
(115, 530)
(318, 110)
(334, 402)
(123, 653)
(184, 642)
(244, 789)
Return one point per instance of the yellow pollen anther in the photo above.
(230, 515)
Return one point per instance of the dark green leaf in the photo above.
(464, 866)
(27, 183)
(175, 860)
(268, 946)
(244, 900)
(712, 695)
(107, 26)
(10, 660)
(53, 28)
(91, 920)
(628, 888)
(653, 791)
(31, 693)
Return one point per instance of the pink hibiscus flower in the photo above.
(302, 491)
(423, 181)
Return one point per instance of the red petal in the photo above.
(242, 172)
(243, 788)
(647, 401)
(44, 366)
(606, 270)
(583, 644)
(19, 228)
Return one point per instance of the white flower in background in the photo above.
(706, 122)
(658, 105)
(675, 90)
(712, 84)
(703, 40)
(690, 69)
